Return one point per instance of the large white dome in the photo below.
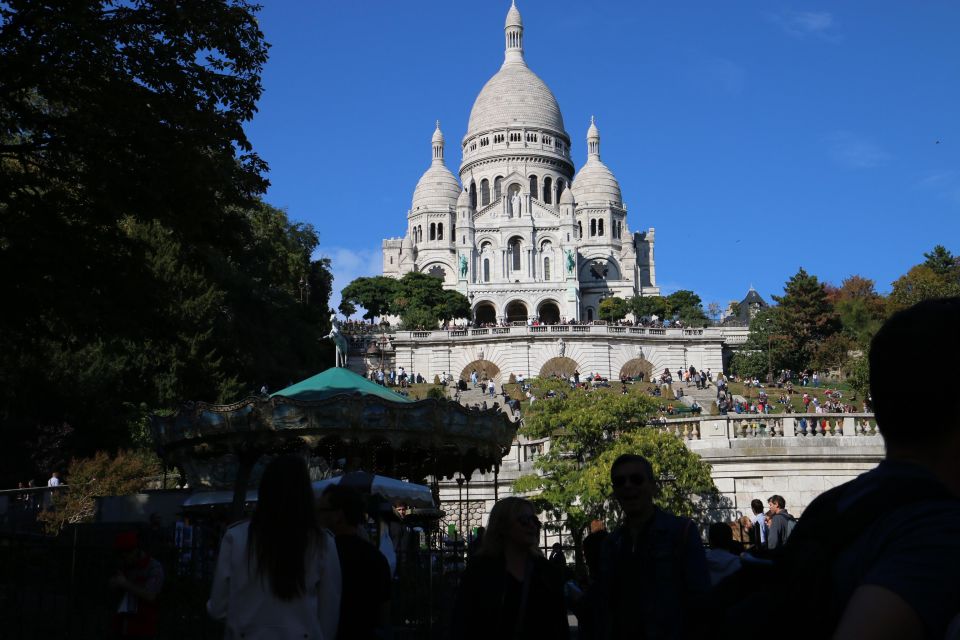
(515, 96)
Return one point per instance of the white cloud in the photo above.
(802, 24)
(348, 265)
(853, 151)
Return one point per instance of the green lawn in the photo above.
(773, 393)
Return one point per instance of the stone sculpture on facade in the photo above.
(463, 266)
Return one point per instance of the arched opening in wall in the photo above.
(600, 227)
(484, 369)
(514, 254)
(420, 233)
(549, 312)
(546, 268)
(589, 314)
(484, 313)
(637, 369)
(548, 191)
(516, 312)
(593, 227)
(473, 194)
(534, 192)
(579, 229)
(559, 367)
(433, 231)
(440, 231)
(497, 184)
(484, 192)
(560, 185)
(486, 269)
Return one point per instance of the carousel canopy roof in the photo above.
(337, 381)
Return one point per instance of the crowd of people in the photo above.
(874, 558)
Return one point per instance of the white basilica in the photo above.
(523, 238)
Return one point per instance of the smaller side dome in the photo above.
(437, 188)
(567, 196)
(595, 182)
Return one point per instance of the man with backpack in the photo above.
(781, 524)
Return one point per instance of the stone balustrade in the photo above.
(598, 330)
(795, 425)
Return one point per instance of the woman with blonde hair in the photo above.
(509, 589)
(278, 574)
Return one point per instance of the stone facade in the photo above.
(519, 233)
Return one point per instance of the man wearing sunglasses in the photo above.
(653, 569)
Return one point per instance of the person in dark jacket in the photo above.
(653, 571)
(509, 590)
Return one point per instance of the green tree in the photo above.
(422, 302)
(860, 308)
(149, 271)
(346, 308)
(802, 320)
(647, 306)
(922, 282)
(942, 262)
(754, 358)
(588, 429)
(375, 294)
(613, 309)
(687, 306)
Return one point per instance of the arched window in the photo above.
(473, 195)
(440, 231)
(496, 187)
(547, 190)
(560, 186)
(579, 229)
(546, 268)
(433, 231)
(515, 254)
(484, 192)
(533, 186)
(589, 314)
(486, 270)
(391, 259)
(419, 234)
(593, 227)
(600, 227)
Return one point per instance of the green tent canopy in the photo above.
(334, 382)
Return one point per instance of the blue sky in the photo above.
(756, 137)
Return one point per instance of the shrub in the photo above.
(102, 475)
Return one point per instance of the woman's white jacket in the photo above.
(251, 610)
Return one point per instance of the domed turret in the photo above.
(463, 202)
(595, 183)
(567, 196)
(437, 188)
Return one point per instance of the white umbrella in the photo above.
(390, 489)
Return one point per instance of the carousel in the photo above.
(341, 422)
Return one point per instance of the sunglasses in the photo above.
(636, 479)
(531, 521)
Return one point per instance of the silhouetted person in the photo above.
(278, 575)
